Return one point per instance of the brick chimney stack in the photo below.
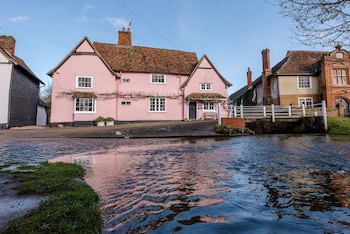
(8, 43)
(265, 73)
(249, 78)
(266, 60)
(124, 37)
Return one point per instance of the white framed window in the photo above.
(84, 81)
(157, 104)
(339, 77)
(158, 78)
(126, 103)
(205, 86)
(125, 80)
(208, 106)
(304, 82)
(307, 101)
(84, 105)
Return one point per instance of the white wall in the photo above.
(5, 78)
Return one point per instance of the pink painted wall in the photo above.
(206, 74)
(64, 80)
(140, 86)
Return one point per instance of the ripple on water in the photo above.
(255, 184)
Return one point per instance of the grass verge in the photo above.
(338, 125)
(72, 207)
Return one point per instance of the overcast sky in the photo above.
(232, 33)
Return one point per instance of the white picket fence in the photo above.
(277, 111)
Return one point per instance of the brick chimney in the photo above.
(265, 73)
(249, 78)
(124, 37)
(8, 43)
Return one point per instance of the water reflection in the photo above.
(294, 184)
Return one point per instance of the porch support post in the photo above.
(273, 112)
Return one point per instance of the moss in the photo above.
(73, 207)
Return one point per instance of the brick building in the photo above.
(302, 77)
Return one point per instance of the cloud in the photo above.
(19, 19)
(88, 7)
(117, 22)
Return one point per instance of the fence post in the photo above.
(324, 113)
(264, 110)
(241, 111)
(303, 110)
(235, 111)
(290, 111)
(273, 112)
(219, 114)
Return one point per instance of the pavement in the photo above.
(13, 206)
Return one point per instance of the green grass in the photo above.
(338, 125)
(73, 207)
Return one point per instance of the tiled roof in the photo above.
(300, 62)
(146, 59)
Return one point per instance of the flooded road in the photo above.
(252, 184)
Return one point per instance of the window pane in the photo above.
(158, 78)
(84, 82)
(157, 104)
(339, 77)
(304, 82)
(84, 104)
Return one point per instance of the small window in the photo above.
(157, 78)
(208, 106)
(205, 86)
(125, 80)
(339, 77)
(308, 102)
(84, 104)
(304, 82)
(126, 103)
(84, 81)
(157, 104)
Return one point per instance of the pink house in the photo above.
(134, 83)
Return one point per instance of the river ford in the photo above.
(249, 184)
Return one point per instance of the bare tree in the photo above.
(318, 22)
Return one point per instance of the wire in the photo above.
(148, 25)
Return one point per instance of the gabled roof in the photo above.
(196, 67)
(299, 62)
(74, 51)
(18, 62)
(296, 62)
(146, 59)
